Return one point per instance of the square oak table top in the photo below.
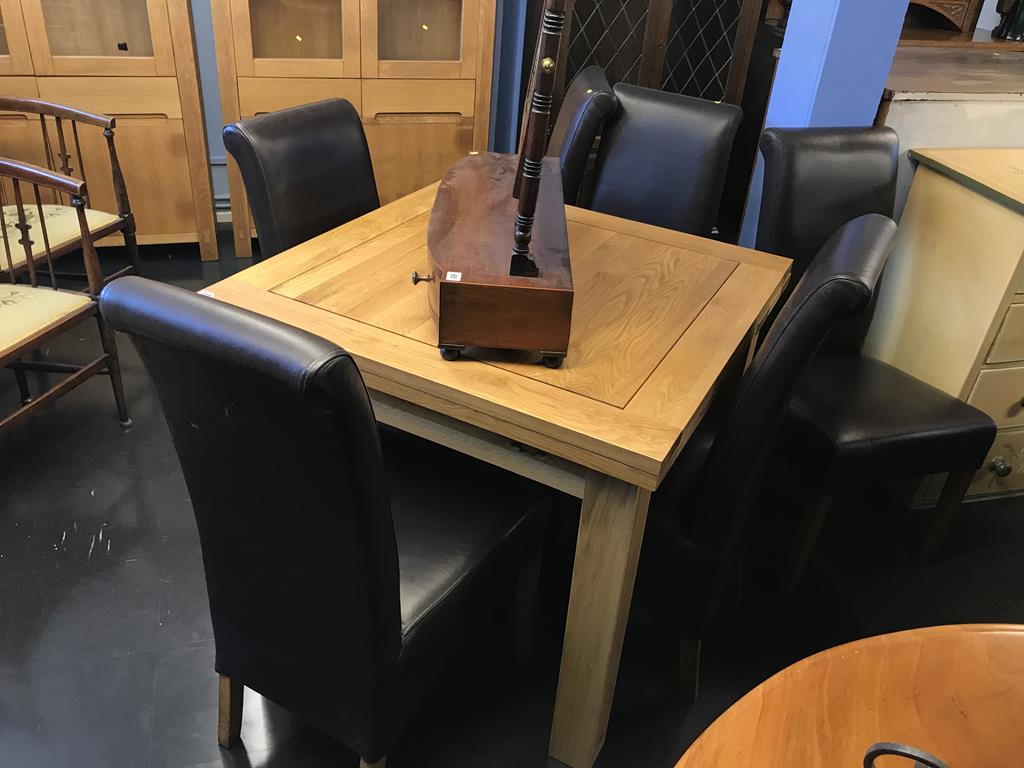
(657, 315)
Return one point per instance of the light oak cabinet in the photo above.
(417, 71)
(949, 311)
(133, 60)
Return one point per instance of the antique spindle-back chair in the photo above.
(62, 152)
(31, 313)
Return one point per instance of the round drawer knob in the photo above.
(999, 466)
(417, 278)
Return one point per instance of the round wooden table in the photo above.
(956, 692)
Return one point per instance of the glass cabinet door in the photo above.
(420, 38)
(296, 38)
(15, 58)
(99, 37)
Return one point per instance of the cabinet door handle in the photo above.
(418, 278)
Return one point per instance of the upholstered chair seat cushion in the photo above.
(26, 311)
(62, 229)
(452, 530)
(858, 417)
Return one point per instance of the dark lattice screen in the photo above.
(609, 33)
(700, 47)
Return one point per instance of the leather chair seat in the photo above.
(856, 417)
(455, 533)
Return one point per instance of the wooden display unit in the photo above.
(134, 60)
(417, 71)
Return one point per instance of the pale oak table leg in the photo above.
(607, 549)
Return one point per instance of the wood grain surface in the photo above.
(952, 691)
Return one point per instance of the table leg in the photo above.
(607, 549)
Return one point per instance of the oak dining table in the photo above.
(656, 317)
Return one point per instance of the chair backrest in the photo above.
(62, 150)
(279, 447)
(816, 180)
(837, 284)
(588, 103)
(306, 170)
(22, 187)
(663, 158)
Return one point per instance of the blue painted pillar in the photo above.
(835, 60)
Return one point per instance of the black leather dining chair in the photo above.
(588, 103)
(663, 158)
(306, 170)
(343, 569)
(854, 420)
(700, 516)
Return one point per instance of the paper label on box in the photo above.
(453, 277)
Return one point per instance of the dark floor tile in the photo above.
(97, 713)
(83, 613)
(184, 606)
(9, 585)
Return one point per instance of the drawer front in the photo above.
(403, 97)
(1009, 344)
(999, 392)
(115, 95)
(1003, 470)
(257, 95)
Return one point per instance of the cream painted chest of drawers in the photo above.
(951, 304)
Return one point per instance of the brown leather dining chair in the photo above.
(663, 158)
(587, 105)
(853, 420)
(306, 170)
(34, 310)
(345, 563)
(60, 150)
(700, 516)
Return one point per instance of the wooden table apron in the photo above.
(657, 315)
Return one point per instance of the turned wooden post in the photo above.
(531, 158)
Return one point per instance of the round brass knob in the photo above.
(999, 466)
(417, 277)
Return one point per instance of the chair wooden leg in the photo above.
(132, 246)
(378, 764)
(229, 712)
(527, 587)
(23, 391)
(689, 667)
(811, 524)
(946, 511)
(114, 367)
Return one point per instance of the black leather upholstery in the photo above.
(663, 159)
(854, 417)
(306, 170)
(588, 103)
(816, 180)
(340, 573)
(697, 529)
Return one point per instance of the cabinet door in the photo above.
(421, 38)
(296, 38)
(99, 37)
(416, 130)
(15, 58)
